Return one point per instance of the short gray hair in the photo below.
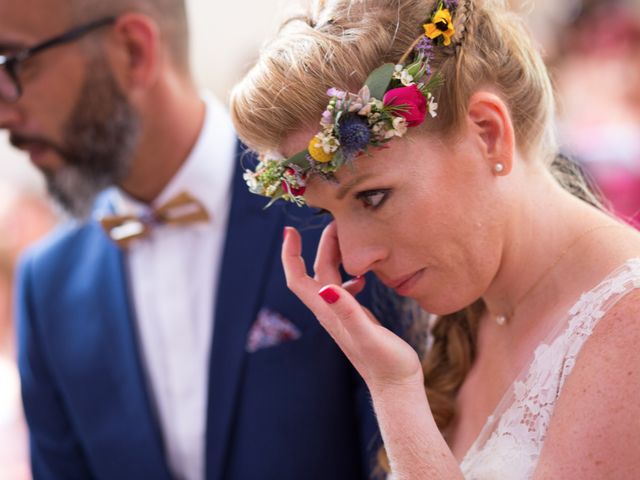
(170, 15)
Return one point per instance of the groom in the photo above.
(157, 338)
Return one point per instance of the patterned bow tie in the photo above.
(180, 210)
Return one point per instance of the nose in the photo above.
(360, 249)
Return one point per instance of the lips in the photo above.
(35, 147)
(36, 153)
(402, 285)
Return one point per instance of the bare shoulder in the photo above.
(594, 431)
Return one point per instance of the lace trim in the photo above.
(511, 440)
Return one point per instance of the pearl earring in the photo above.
(498, 168)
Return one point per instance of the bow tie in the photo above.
(180, 210)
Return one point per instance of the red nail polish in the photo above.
(329, 295)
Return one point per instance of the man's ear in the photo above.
(136, 51)
(490, 120)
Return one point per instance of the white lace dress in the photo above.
(508, 446)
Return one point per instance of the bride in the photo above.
(426, 130)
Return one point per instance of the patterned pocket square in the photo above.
(270, 329)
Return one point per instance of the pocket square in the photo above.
(270, 329)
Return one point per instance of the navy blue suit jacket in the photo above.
(290, 412)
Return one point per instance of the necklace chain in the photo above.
(503, 319)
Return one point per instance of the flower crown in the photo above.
(393, 99)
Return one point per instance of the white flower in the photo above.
(406, 78)
(400, 126)
(271, 190)
(433, 106)
(378, 130)
(403, 75)
(374, 118)
(328, 142)
(251, 180)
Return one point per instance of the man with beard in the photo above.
(157, 338)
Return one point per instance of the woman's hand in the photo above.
(382, 358)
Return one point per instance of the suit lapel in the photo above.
(252, 242)
(123, 372)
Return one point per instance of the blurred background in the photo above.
(592, 48)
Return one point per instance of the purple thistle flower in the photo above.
(450, 4)
(354, 134)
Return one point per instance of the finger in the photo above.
(355, 285)
(295, 270)
(328, 258)
(348, 314)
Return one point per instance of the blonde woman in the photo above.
(425, 129)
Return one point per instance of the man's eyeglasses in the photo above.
(10, 87)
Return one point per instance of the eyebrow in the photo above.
(344, 189)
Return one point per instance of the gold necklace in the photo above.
(504, 319)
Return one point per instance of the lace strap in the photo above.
(521, 418)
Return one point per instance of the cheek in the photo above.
(460, 248)
(51, 94)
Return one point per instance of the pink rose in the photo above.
(412, 101)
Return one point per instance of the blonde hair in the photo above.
(340, 43)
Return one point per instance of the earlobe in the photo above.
(138, 42)
(491, 122)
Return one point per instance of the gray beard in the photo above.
(101, 136)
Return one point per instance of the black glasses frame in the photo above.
(10, 63)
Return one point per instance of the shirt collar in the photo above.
(207, 172)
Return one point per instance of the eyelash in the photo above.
(365, 198)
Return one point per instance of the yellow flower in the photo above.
(441, 24)
(317, 151)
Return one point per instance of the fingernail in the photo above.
(284, 233)
(329, 295)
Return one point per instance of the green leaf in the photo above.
(299, 159)
(415, 68)
(379, 80)
(338, 159)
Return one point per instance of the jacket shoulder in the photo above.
(69, 245)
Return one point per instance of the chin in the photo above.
(438, 304)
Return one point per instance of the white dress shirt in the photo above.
(174, 278)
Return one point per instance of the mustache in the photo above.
(22, 141)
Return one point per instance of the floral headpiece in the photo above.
(393, 99)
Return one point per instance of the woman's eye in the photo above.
(373, 198)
